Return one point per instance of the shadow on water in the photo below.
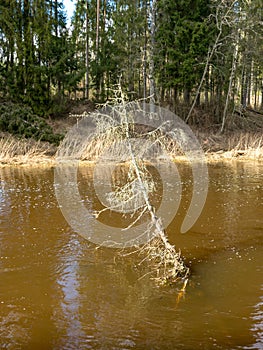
(58, 292)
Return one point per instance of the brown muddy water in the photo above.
(58, 292)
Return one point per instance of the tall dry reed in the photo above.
(14, 150)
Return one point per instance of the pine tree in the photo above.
(183, 35)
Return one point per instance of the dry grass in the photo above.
(20, 151)
(247, 142)
(230, 145)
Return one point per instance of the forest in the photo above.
(203, 59)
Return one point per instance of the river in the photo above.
(57, 291)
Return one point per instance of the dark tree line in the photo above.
(37, 57)
(185, 54)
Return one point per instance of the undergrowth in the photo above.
(236, 143)
(20, 121)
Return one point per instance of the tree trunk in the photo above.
(97, 27)
(187, 98)
(152, 53)
(145, 70)
(230, 86)
(97, 47)
(244, 88)
(87, 52)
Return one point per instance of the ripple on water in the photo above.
(58, 292)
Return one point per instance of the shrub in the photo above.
(20, 120)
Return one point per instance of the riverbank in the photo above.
(237, 145)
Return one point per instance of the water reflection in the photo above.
(69, 305)
(58, 292)
(257, 327)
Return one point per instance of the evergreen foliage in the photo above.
(209, 52)
(36, 57)
(20, 120)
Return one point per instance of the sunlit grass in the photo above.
(246, 143)
(14, 150)
(230, 145)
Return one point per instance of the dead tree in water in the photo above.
(114, 134)
(166, 264)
